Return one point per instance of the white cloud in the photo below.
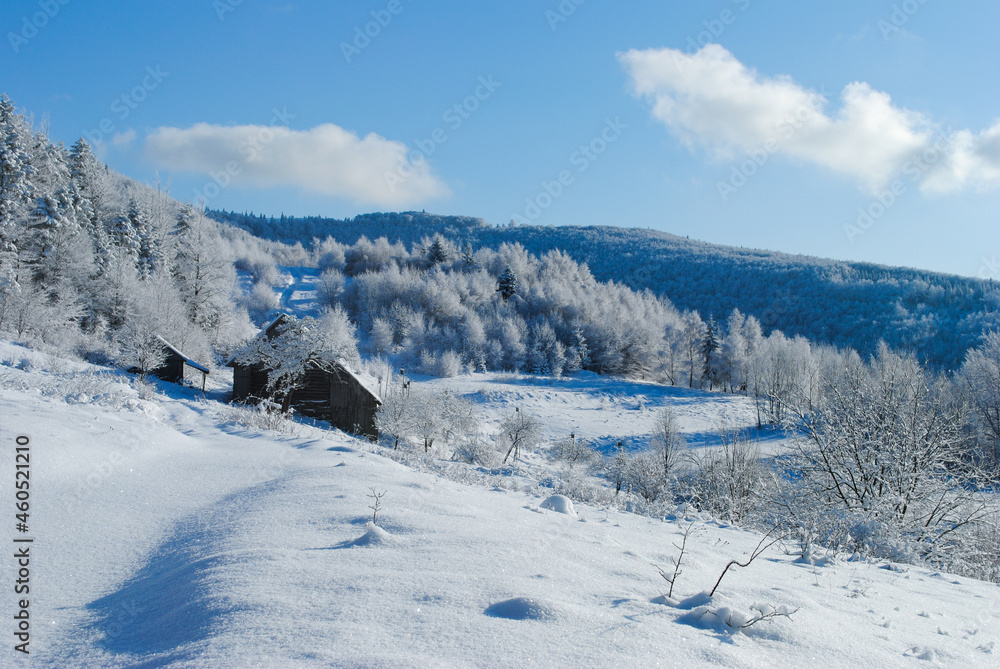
(710, 99)
(326, 159)
(121, 140)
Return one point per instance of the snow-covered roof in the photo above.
(187, 361)
(272, 323)
(262, 332)
(365, 380)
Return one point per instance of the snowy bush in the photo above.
(886, 450)
(477, 449)
(428, 416)
(263, 416)
(729, 482)
(575, 451)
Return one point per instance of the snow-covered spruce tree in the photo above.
(507, 284)
(149, 255)
(90, 178)
(578, 352)
(437, 253)
(125, 238)
(546, 354)
(16, 190)
(16, 194)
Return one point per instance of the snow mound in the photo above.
(922, 653)
(725, 618)
(373, 536)
(559, 504)
(520, 608)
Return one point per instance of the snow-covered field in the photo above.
(605, 410)
(168, 535)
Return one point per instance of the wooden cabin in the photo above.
(348, 400)
(250, 381)
(176, 364)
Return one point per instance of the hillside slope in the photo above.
(169, 535)
(937, 316)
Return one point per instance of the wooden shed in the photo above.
(174, 366)
(347, 399)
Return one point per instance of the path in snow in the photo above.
(299, 294)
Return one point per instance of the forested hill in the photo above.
(938, 316)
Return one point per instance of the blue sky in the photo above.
(857, 129)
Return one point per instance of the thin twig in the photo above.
(761, 547)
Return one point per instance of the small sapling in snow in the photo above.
(672, 578)
(376, 504)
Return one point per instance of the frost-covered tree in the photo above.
(396, 416)
(149, 255)
(709, 347)
(666, 442)
(546, 354)
(519, 431)
(58, 252)
(578, 352)
(981, 373)
(202, 269)
(693, 336)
